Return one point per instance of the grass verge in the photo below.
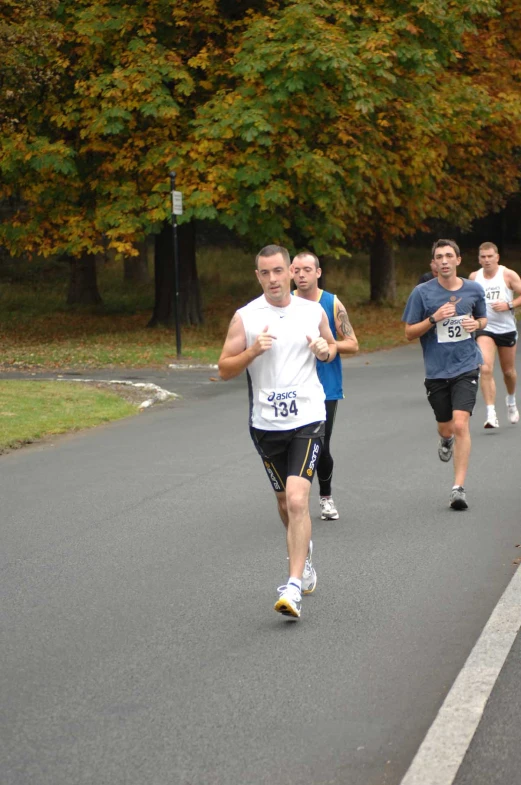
(31, 410)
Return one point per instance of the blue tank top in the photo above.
(330, 374)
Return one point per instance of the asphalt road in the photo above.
(139, 566)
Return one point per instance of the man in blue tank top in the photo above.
(306, 273)
(444, 314)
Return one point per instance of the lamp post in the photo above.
(177, 209)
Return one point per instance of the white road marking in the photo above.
(445, 745)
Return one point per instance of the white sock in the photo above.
(511, 400)
(295, 582)
(491, 411)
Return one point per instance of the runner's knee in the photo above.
(461, 424)
(297, 501)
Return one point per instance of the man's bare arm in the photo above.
(327, 335)
(513, 281)
(346, 342)
(236, 356)
(413, 331)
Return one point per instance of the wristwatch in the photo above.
(510, 307)
(432, 320)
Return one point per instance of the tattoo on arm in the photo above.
(345, 328)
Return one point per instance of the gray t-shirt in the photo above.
(448, 349)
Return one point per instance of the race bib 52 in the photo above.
(452, 330)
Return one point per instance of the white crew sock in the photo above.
(511, 400)
(491, 411)
(295, 582)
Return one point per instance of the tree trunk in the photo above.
(189, 294)
(135, 268)
(189, 290)
(382, 271)
(83, 284)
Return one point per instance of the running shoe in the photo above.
(445, 447)
(309, 576)
(491, 421)
(289, 602)
(328, 511)
(458, 498)
(513, 414)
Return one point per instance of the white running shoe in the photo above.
(289, 602)
(458, 498)
(328, 511)
(492, 421)
(513, 414)
(309, 576)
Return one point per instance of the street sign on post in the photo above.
(177, 209)
(177, 203)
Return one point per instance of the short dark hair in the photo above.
(273, 250)
(488, 247)
(301, 254)
(443, 243)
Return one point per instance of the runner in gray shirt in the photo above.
(444, 313)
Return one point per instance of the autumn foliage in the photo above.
(308, 123)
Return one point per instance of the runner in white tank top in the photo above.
(503, 294)
(497, 291)
(278, 340)
(285, 391)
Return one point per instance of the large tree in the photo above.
(352, 124)
(87, 169)
(326, 124)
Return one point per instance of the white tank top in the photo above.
(284, 388)
(496, 290)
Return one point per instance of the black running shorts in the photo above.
(289, 453)
(500, 339)
(447, 395)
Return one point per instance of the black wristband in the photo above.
(327, 358)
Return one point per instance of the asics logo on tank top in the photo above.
(283, 396)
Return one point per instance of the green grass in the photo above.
(37, 328)
(31, 410)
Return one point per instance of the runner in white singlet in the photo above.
(278, 339)
(503, 294)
